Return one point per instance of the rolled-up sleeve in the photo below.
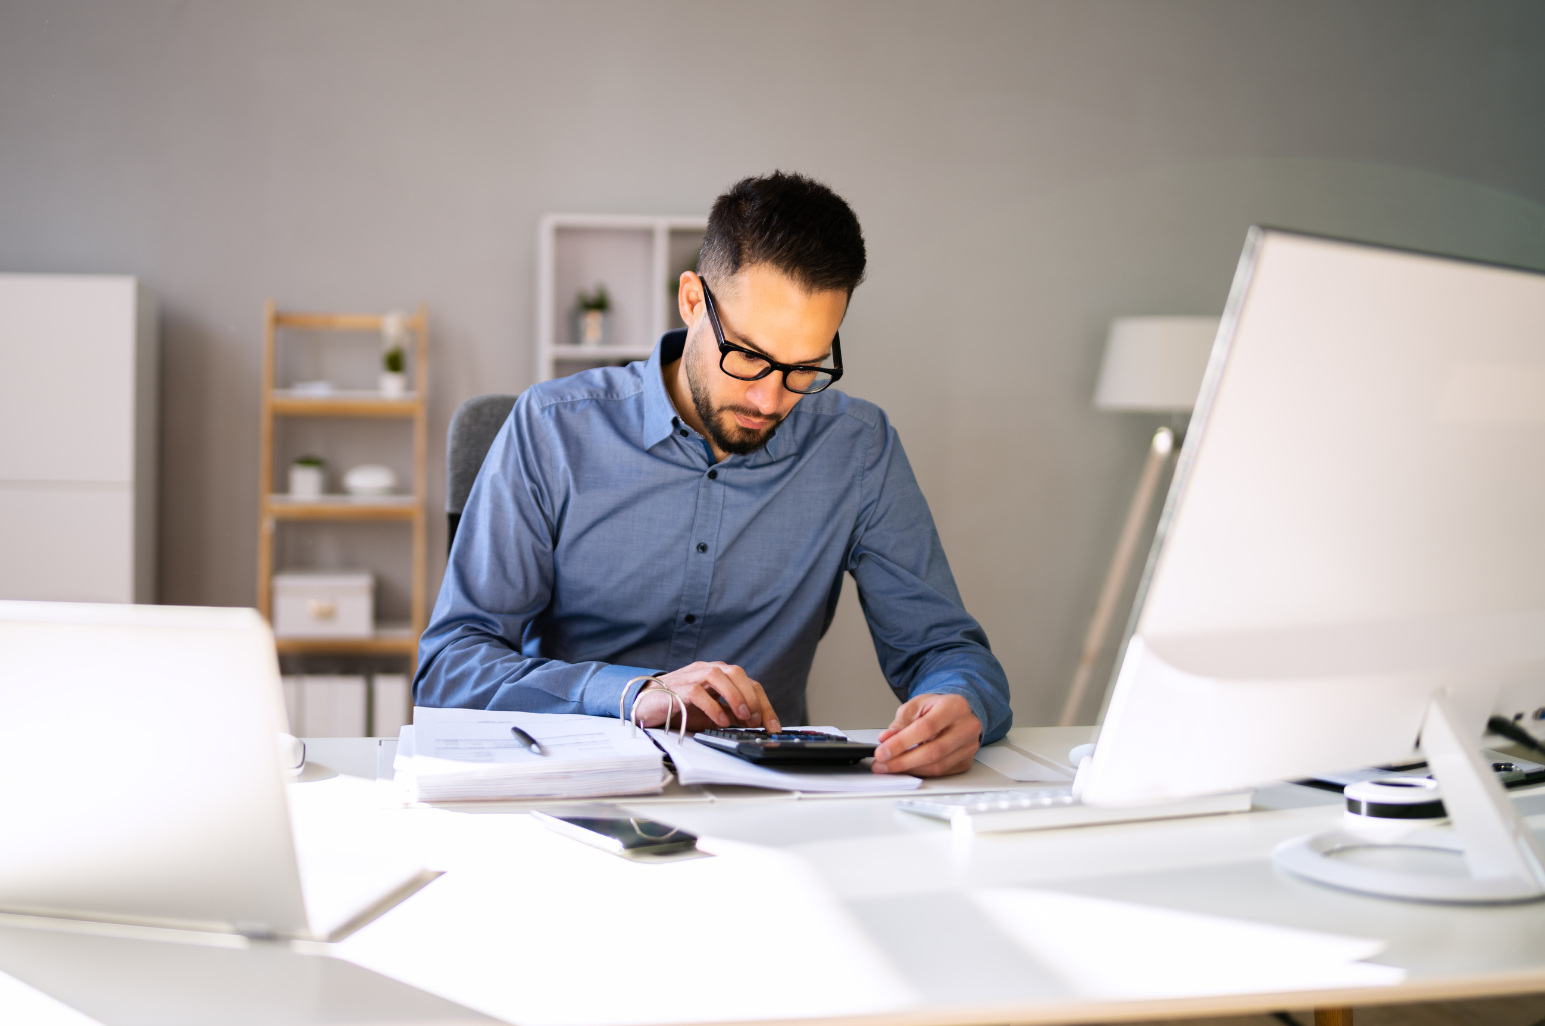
(926, 641)
(498, 580)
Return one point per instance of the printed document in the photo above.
(468, 754)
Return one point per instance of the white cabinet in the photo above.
(78, 438)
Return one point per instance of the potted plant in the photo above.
(394, 342)
(307, 479)
(590, 316)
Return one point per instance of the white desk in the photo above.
(540, 930)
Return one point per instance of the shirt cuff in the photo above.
(973, 699)
(604, 689)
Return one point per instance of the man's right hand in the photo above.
(717, 695)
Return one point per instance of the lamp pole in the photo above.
(1159, 451)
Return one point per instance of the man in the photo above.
(691, 517)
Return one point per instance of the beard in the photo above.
(726, 435)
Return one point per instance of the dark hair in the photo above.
(790, 222)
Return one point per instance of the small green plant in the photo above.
(393, 360)
(308, 461)
(598, 301)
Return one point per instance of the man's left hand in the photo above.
(931, 736)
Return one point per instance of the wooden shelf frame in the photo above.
(344, 406)
(276, 507)
(383, 642)
(340, 511)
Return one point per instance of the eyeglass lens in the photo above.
(750, 367)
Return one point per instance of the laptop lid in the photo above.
(139, 749)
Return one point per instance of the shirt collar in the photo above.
(660, 413)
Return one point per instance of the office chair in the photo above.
(472, 431)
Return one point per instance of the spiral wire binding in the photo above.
(653, 684)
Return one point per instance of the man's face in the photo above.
(766, 311)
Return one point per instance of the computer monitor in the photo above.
(1352, 554)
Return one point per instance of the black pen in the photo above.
(527, 740)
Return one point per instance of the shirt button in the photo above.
(690, 618)
(683, 432)
(712, 474)
(702, 546)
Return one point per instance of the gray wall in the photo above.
(1024, 172)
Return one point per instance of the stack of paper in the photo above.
(699, 764)
(469, 754)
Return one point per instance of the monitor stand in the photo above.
(1488, 857)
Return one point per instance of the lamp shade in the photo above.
(1154, 364)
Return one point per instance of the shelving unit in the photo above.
(637, 258)
(274, 507)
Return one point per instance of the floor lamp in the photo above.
(1151, 365)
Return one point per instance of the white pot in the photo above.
(590, 327)
(306, 482)
(394, 385)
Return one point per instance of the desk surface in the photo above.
(814, 910)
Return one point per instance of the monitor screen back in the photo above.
(1357, 521)
(138, 746)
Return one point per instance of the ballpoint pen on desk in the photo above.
(527, 740)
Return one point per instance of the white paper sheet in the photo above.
(20, 1003)
(1113, 949)
(1019, 767)
(699, 764)
(352, 852)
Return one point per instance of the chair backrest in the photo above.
(472, 431)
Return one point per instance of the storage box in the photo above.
(391, 705)
(324, 604)
(326, 706)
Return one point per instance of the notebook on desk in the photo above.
(149, 740)
(473, 754)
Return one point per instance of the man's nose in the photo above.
(764, 393)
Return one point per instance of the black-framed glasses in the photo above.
(749, 365)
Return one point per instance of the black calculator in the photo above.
(786, 748)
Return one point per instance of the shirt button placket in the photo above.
(687, 637)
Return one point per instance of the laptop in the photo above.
(141, 749)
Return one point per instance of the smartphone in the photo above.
(616, 832)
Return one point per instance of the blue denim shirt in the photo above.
(601, 541)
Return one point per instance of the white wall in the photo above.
(1024, 171)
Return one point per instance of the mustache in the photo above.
(746, 411)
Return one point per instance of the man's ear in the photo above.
(689, 297)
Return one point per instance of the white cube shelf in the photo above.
(637, 259)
